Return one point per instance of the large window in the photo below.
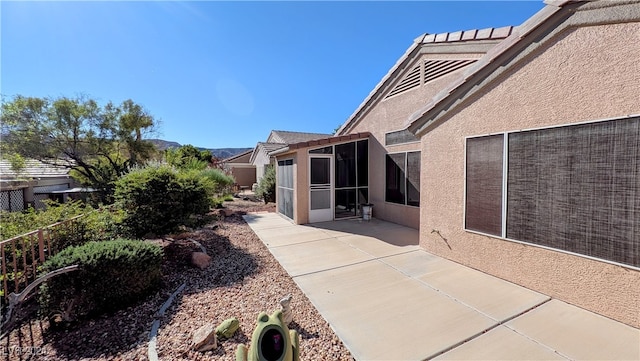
(573, 188)
(403, 178)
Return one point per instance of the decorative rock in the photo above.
(227, 328)
(223, 213)
(285, 306)
(205, 339)
(200, 260)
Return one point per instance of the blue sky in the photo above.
(223, 74)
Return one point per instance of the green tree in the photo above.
(188, 156)
(159, 198)
(267, 186)
(99, 144)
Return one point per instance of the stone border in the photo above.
(152, 352)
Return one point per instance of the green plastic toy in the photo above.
(271, 341)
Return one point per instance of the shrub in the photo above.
(221, 182)
(267, 186)
(158, 199)
(112, 275)
(16, 223)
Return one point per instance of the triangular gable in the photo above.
(535, 32)
(243, 157)
(411, 70)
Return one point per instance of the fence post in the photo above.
(41, 245)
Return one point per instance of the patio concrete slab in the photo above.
(420, 263)
(501, 343)
(283, 236)
(374, 247)
(387, 299)
(489, 295)
(579, 334)
(259, 221)
(308, 257)
(383, 315)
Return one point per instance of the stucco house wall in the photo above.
(582, 70)
(388, 114)
(240, 167)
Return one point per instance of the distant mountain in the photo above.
(221, 153)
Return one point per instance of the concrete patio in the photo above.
(387, 299)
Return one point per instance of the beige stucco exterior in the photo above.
(242, 170)
(389, 115)
(583, 70)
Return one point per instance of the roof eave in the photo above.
(449, 98)
(417, 43)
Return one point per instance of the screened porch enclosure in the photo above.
(348, 178)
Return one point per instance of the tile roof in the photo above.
(323, 141)
(234, 157)
(330, 140)
(269, 147)
(459, 88)
(33, 169)
(468, 36)
(288, 137)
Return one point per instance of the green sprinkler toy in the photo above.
(271, 341)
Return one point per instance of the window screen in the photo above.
(483, 208)
(403, 178)
(400, 137)
(284, 194)
(395, 170)
(413, 179)
(574, 188)
(577, 188)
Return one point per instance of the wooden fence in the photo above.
(21, 256)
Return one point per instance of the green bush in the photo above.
(267, 186)
(16, 223)
(220, 182)
(158, 199)
(112, 275)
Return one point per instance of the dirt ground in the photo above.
(243, 280)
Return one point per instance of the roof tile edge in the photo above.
(468, 35)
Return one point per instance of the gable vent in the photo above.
(434, 69)
(410, 81)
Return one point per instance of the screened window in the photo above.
(402, 172)
(483, 208)
(574, 188)
(284, 195)
(351, 177)
(400, 137)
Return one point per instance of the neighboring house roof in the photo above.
(235, 158)
(33, 169)
(287, 137)
(266, 148)
(525, 38)
(320, 142)
(279, 139)
(488, 36)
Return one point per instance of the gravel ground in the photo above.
(243, 280)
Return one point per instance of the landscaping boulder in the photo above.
(205, 339)
(200, 259)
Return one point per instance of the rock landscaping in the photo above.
(240, 280)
